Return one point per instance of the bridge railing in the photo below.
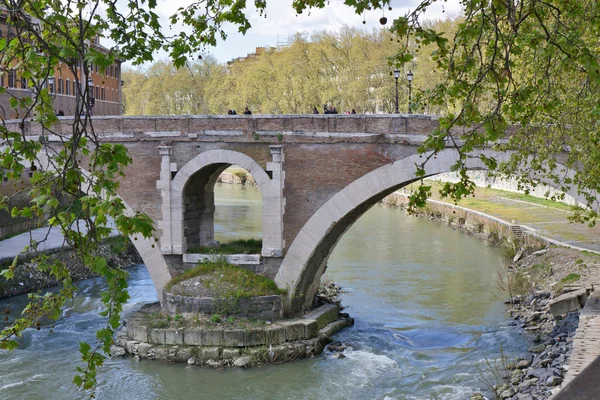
(128, 128)
(235, 124)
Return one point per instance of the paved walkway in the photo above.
(586, 344)
(48, 239)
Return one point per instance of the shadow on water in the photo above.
(421, 294)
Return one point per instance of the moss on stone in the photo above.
(219, 279)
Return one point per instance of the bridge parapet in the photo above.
(295, 128)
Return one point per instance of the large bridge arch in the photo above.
(307, 256)
(188, 212)
(146, 247)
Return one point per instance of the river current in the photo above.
(423, 296)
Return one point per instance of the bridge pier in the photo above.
(274, 206)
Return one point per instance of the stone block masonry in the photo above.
(262, 307)
(218, 346)
(235, 259)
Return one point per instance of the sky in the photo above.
(282, 22)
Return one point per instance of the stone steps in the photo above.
(516, 231)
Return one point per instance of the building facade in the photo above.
(105, 85)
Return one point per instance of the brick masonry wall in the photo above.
(61, 102)
(323, 153)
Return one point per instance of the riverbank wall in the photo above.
(118, 251)
(237, 177)
(505, 183)
(476, 223)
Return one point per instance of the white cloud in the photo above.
(282, 21)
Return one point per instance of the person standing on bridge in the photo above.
(247, 112)
(315, 111)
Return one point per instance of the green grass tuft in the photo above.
(572, 277)
(229, 280)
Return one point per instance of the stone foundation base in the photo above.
(278, 342)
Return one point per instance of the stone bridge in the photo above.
(317, 173)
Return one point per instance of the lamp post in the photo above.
(396, 75)
(92, 100)
(409, 76)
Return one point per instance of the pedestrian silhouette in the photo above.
(353, 111)
(247, 112)
(315, 111)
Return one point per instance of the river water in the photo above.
(421, 293)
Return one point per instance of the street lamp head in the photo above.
(90, 82)
(409, 75)
(51, 80)
(396, 73)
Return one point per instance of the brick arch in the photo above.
(306, 258)
(195, 183)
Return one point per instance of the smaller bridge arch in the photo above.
(188, 199)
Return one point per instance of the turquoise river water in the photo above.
(422, 294)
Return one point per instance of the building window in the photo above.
(23, 83)
(12, 79)
(61, 86)
(98, 92)
(103, 93)
(68, 88)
